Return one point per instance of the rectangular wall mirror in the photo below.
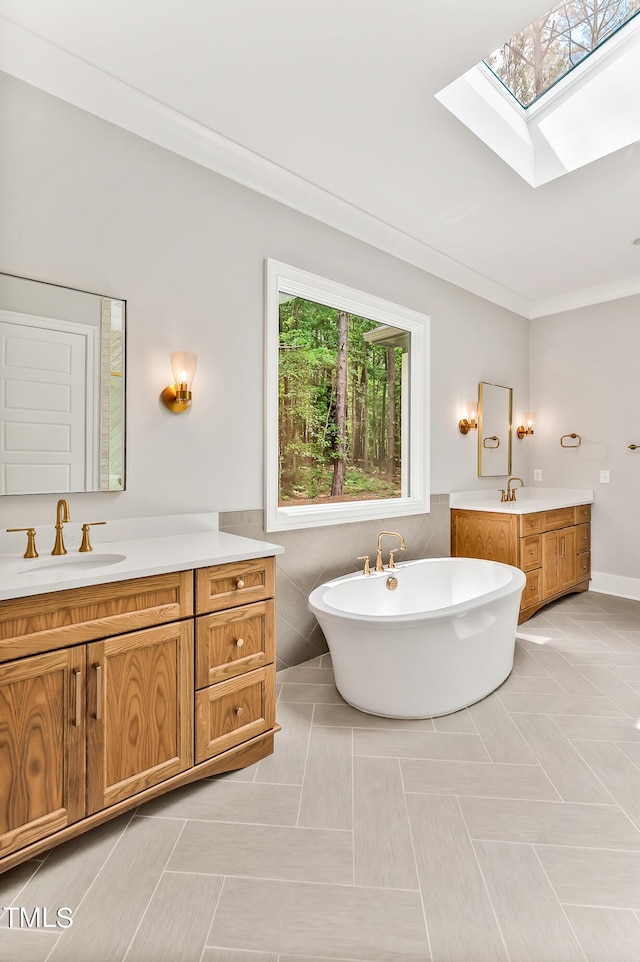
(62, 403)
(494, 429)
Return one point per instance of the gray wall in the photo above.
(585, 372)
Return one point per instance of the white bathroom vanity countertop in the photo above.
(528, 499)
(120, 560)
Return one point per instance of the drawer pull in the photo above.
(584, 537)
(239, 711)
(532, 524)
(239, 583)
(239, 642)
(532, 587)
(531, 553)
(98, 692)
(78, 709)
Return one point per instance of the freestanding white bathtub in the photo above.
(442, 639)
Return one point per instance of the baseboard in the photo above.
(615, 585)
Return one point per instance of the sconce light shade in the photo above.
(468, 422)
(177, 396)
(527, 427)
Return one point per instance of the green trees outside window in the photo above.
(340, 402)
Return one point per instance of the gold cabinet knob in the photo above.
(239, 583)
(239, 642)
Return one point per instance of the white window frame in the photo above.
(299, 283)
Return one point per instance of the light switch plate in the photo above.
(604, 477)
(537, 474)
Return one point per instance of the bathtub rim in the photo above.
(321, 608)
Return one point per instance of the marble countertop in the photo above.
(528, 500)
(121, 560)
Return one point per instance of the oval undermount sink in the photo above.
(75, 562)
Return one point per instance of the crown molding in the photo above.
(628, 287)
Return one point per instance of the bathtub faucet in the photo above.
(393, 534)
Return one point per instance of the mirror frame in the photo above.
(299, 283)
(509, 432)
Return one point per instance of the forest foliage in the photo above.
(339, 407)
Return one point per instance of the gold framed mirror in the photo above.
(495, 412)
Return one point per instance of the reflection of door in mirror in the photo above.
(49, 387)
(494, 429)
(62, 397)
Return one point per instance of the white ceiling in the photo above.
(328, 105)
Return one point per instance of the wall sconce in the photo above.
(468, 422)
(177, 396)
(523, 431)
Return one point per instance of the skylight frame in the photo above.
(587, 115)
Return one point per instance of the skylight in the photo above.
(530, 63)
(590, 107)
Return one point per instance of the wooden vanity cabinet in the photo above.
(101, 705)
(551, 547)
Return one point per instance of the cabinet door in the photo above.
(42, 746)
(558, 561)
(140, 711)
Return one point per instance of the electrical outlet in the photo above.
(604, 477)
(537, 474)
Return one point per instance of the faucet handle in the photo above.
(86, 544)
(31, 541)
(503, 495)
(365, 558)
(392, 563)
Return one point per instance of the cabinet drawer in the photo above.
(583, 567)
(231, 642)
(533, 589)
(558, 518)
(531, 552)
(583, 542)
(225, 586)
(530, 524)
(233, 711)
(583, 513)
(62, 618)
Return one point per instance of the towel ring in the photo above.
(491, 447)
(562, 445)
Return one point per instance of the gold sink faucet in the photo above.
(511, 493)
(62, 516)
(403, 547)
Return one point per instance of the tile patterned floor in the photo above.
(508, 832)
